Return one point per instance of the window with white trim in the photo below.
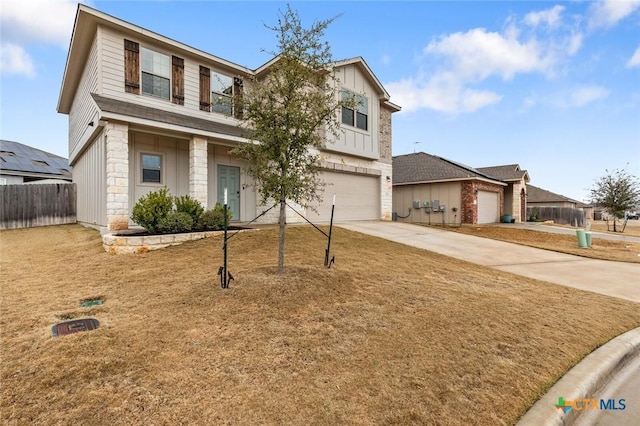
(151, 167)
(359, 115)
(221, 93)
(156, 74)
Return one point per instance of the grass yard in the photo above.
(390, 335)
(621, 251)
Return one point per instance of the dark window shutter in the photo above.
(131, 67)
(205, 88)
(177, 77)
(237, 101)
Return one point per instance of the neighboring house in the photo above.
(515, 194)
(146, 111)
(538, 197)
(21, 163)
(431, 189)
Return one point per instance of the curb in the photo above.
(583, 380)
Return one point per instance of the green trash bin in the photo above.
(582, 238)
(587, 234)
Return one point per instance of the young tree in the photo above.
(617, 192)
(288, 113)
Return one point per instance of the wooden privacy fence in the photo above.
(561, 215)
(25, 206)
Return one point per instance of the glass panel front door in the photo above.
(229, 177)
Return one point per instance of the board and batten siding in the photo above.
(89, 175)
(113, 85)
(83, 109)
(447, 193)
(352, 140)
(175, 165)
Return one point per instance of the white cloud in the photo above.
(634, 61)
(478, 54)
(551, 17)
(49, 21)
(14, 60)
(585, 95)
(442, 92)
(607, 13)
(386, 59)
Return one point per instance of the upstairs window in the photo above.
(151, 168)
(358, 116)
(221, 93)
(156, 74)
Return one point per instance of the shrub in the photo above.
(213, 220)
(175, 221)
(151, 209)
(191, 206)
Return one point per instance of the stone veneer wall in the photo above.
(117, 147)
(470, 199)
(385, 133)
(517, 202)
(198, 169)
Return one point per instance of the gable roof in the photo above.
(507, 173)
(426, 168)
(85, 26)
(22, 160)
(539, 195)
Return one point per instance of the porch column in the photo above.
(198, 169)
(517, 203)
(386, 192)
(117, 146)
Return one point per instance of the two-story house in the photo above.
(146, 111)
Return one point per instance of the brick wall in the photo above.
(470, 199)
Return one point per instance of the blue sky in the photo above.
(553, 86)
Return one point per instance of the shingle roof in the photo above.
(26, 160)
(139, 111)
(539, 195)
(423, 167)
(507, 172)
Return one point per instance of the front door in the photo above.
(229, 177)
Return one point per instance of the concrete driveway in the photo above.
(617, 279)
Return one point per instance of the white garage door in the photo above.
(488, 207)
(357, 197)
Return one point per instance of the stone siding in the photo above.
(385, 134)
(198, 169)
(117, 144)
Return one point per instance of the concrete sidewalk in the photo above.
(617, 279)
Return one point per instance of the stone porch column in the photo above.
(198, 169)
(117, 144)
(386, 191)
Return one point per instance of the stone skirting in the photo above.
(124, 244)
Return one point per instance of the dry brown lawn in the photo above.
(621, 251)
(390, 335)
